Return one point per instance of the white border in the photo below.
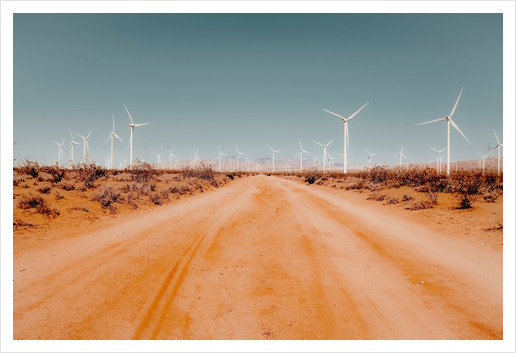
(7, 10)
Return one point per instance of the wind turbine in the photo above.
(401, 155)
(369, 158)
(220, 158)
(273, 153)
(159, 157)
(324, 154)
(498, 145)
(60, 146)
(301, 150)
(237, 157)
(448, 119)
(170, 160)
(195, 155)
(484, 159)
(315, 158)
(125, 160)
(330, 158)
(72, 143)
(131, 125)
(438, 167)
(111, 134)
(85, 140)
(346, 132)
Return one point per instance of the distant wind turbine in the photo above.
(438, 167)
(132, 126)
(111, 134)
(448, 119)
(401, 155)
(85, 142)
(195, 155)
(273, 153)
(346, 132)
(220, 158)
(72, 143)
(237, 157)
(498, 145)
(369, 158)
(301, 150)
(60, 146)
(324, 154)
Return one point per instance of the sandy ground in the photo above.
(265, 258)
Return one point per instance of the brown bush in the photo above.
(107, 196)
(30, 201)
(45, 190)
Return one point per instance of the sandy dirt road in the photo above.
(262, 258)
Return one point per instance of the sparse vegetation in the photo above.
(30, 201)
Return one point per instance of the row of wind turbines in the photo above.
(195, 155)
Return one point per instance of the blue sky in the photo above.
(204, 80)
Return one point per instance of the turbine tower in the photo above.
(438, 167)
(498, 145)
(131, 125)
(324, 154)
(195, 155)
(111, 134)
(346, 132)
(159, 157)
(60, 146)
(72, 143)
(220, 159)
(369, 158)
(85, 140)
(301, 150)
(237, 157)
(448, 119)
(273, 153)
(401, 155)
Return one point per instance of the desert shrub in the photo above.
(232, 177)
(491, 196)
(375, 196)
(80, 208)
(389, 200)
(58, 195)
(30, 201)
(156, 199)
(30, 168)
(358, 185)
(66, 185)
(311, 177)
(432, 198)
(406, 198)
(24, 186)
(420, 205)
(56, 172)
(18, 179)
(43, 176)
(112, 208)
(45, 190)
(204, 172)
(107, 196)
(142, 172)
(88, 173)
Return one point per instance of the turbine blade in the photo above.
(397, 154)
(142, 124)
(270, 148)
(127, 110)
(496, 137)
(367, 151)
(71, 134)
(56, 142)
(337, 115)
(455, 106)
(107, 139)
(87, 146)
(329, 143)
(457, 128)
(81, 136)
(444, 149)
(320, 144)
(432, 121)
(63, 142)
(113, 122)
(433, 149)
(117, 137)
(277, 151)
(351, 117)
(89, 133)
(372, 154)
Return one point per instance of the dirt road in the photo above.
(262, 258)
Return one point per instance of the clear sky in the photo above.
(204, 80)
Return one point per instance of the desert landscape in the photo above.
(198, 254)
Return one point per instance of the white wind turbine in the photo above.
(401, 155)
(324, 154)
(170, 159)
(301, 150)
(438, 167)
(448, 119)
(237, 157)
(60, 146)
(498, 145)
(111, 134)
(346, 132)
(315, 158)
(195, 155)
(159, 157)
(330, 158)
(72, 143)
(369, 158)
(125, 160)
(220, 158)
(85, 143)
(484, 159)
(132, 126)
(273, 153)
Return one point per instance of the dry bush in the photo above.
(58, 195)
(18, 179)
(88, 174)
(142, 172)
(45, 190)
(80, 208)
(311, 177)
(156, 199)
(57, 173)
(389, 200)
(66, 185)
(491, 196)
(406, 198)
(29, 168)
(375, 196)
(43, 176)
(107, 196)
(204, 172)
(30, 201)
(19, 223)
